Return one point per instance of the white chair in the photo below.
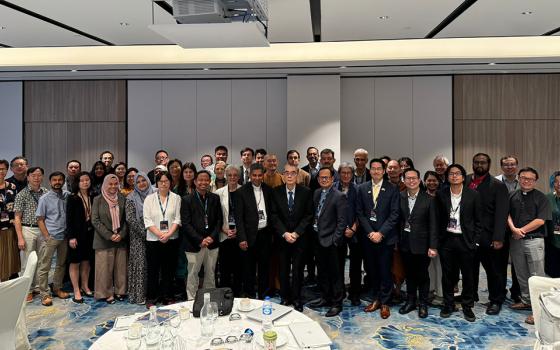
(12, 294)
(22, 342)
(537, 285)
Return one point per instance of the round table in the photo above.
(190, 330)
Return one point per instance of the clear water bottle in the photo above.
(153, 333)
(206, 318)
(266, 314)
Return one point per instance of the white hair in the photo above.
(442, 158)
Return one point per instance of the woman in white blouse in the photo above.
(162, 217)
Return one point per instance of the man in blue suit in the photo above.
(378, 206)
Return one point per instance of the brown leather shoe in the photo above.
(520, 306)
(376, 305)
(530, 320)
(385, 311)
(29, 297)
(46, 300)
(61, 294)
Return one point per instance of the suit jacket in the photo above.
(313, 183)
(242, 175)
(350, 216)
(246, 212)
(102, 223)
(223, 193)
(469, 216)
(387, 211)
(494, 198)
(423, 222)
(193, 228)
(331, 222)
(302, 213)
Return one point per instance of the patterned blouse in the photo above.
(7, 199)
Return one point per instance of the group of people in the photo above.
(256, 229)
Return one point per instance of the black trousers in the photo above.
(256, 262)
(309, 244)
(417, 276)
(551, 260)
(291, 260)
(455, 257)
(328, 273)
(378, 259)
(356, 258)
(495, 264)
(230, 266)
(162, 262)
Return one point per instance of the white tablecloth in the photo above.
(190, 330)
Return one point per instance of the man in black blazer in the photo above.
(254, 233)
(378, 211)
(247, 156)
(201, 217)
(312, 168)
(418, 241)
(459, 234)
(292, 212)
(493, 251)
(329, 223)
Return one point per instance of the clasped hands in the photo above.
(375, 237)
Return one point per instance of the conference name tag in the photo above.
(164, 226)
(373, 216)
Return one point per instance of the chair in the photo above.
(537, 285)
(13, 294)
(22, 342)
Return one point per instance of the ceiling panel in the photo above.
(289, 21)
(505, 18)
(360, 19)
(20, 30)
(103, 18)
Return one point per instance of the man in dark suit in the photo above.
(312, 168)
(329, 223)
(494, 249)
(252, 210)
(378, 214)
(459, 234)
(201, 217)
(292, 212)
(247, 156)
(418, 241)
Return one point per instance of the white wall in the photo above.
(400, 116)
(11, 119)
(190, 117)
(314, 113)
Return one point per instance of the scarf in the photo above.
(137, 196)
(112, 201)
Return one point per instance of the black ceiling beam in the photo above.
(165, 6)
(53, 22)
(315, 7)
(4, 45)
(452, 16)
(552, 32)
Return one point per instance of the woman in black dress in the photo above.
(97, 175)
(80, 236)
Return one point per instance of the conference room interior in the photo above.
(396, 78)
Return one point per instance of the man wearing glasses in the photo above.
(529, 209)
(161, 158)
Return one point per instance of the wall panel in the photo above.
(248, 114)
(276, 124)
(11, 115)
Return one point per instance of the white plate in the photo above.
(251, 307)
(280, 341)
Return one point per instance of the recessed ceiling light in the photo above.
(383, 17)
(206, 69)
(527, 13)
(342, 67)
(74, 70)
(492, 63)
(124, 24)
(3, 28)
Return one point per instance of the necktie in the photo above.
(375, 193)
(290, 201)
(321, 202)
(246, 176)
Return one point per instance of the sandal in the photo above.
(110, 301)
(89, 295)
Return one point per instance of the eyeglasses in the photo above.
(290, 173)
(527, 179)
(411, 179)
(324, 178)
(453, 174)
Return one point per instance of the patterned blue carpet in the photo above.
(67, 325)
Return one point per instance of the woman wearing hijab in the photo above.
(109, 242)
(137, 269)
(162, 217)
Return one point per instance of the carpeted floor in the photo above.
(67, 325)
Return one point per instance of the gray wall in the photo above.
(11, 119)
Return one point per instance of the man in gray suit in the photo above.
(329, 224)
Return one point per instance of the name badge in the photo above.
(407, 226)
(262, 216)
(206, 222)
(452, 224)
(315, 224)
(557, 229)
(4, 217)
(373, 216)
(164, 225)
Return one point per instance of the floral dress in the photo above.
(9, 253)
(137, 269)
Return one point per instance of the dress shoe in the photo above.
(318, 303)
(530, 320)
(520, 306)
(469, 314)
(110, 301)
(423, 311)
(121, 297)
(376, 305)
(407, 307)
(29, 297)
(46, 300)
(87, 294)
(61, 294)
(298, 307)
(333, 311)
(385, 311)
(446, 311)
(493, 309)
(78, 301)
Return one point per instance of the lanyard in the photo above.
(205, 205)
(161, 207)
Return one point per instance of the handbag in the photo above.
(222, 296)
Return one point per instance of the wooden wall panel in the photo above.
(74, 120)
(509, 114)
